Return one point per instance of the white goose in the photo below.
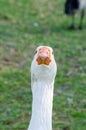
(43, 72)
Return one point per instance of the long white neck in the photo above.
(41, 118)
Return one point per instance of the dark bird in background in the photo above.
(71, 6)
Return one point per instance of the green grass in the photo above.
(24, 25)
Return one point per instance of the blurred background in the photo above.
(24, 25)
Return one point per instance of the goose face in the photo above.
(43, 63)
(43, 56)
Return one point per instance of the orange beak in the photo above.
(44, 56)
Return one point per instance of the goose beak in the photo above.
(44, 56)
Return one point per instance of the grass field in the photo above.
(25, 24)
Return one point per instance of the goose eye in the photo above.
(36, 52)
(52, 53)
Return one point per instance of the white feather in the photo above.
(82, 4)
(42, 84)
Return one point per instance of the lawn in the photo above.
(24, 25)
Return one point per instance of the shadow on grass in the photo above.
(46, 29)
(42, 29)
